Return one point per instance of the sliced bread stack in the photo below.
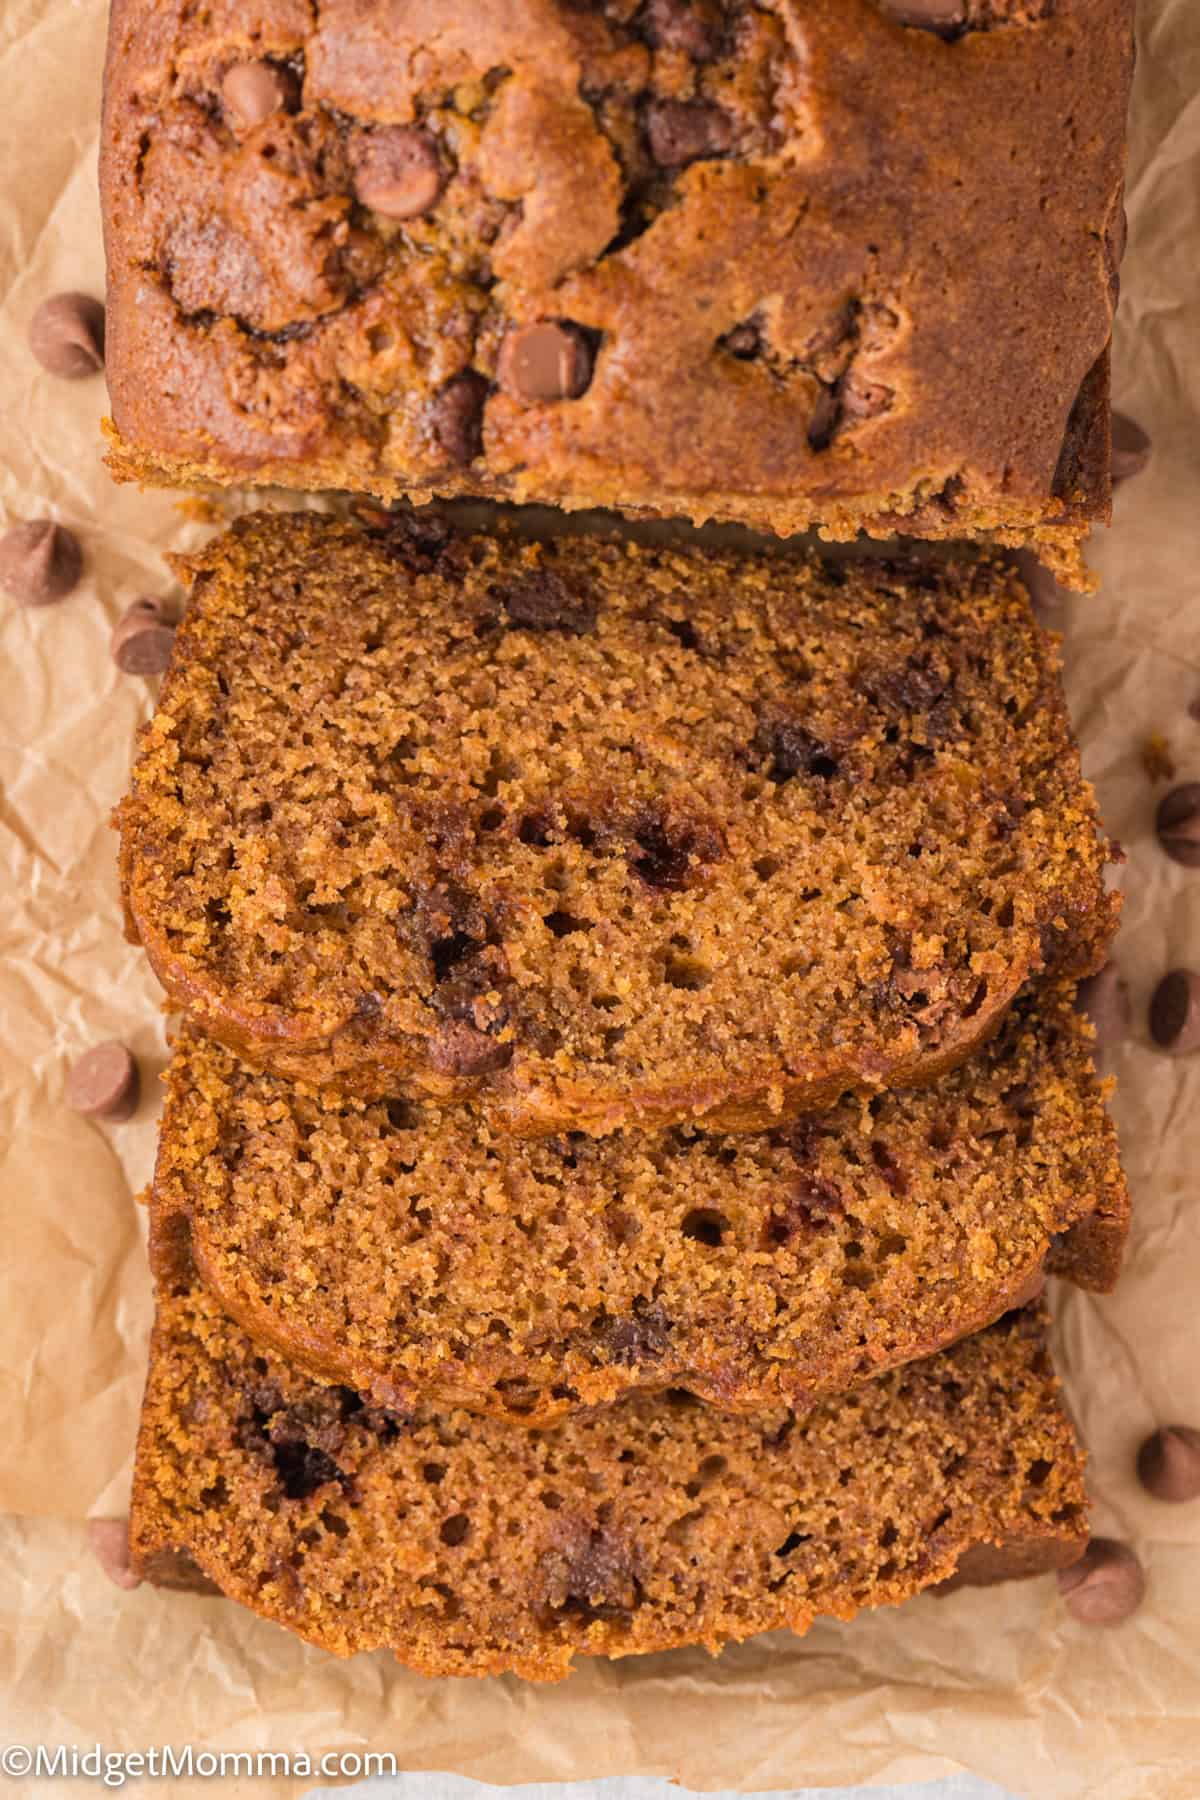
(629, 1049)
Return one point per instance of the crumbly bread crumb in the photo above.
(416, 1254)
(471, 1546)
(605, 834)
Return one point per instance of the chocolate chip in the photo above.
(915, 687)
(591, 1577)
(543, 601)
(680, 131)
(460, 1049)
(471, 985)
(892, 1175)
(448, 924)
(143, 638)
(456, 416)
(385, 1422)
(1178, 824)
(660, 860)
(1105, 1586)
(1175, 1012)
(108, 1540)
(39, 562)
(397, 171)
(546, 361)
(849, 401)
(668, 852)
(318, 1419)
(692, 27)
(643, 1336)
(1168, 1464)
(1130, 448)
(66, 334)
(1104, 998)
(744, 342)
(862, 399)
(805, 1202)
(926, 15)
(816, 1197)
(252, 91)
(302, 1469)
(824, 419)
(417, 540)
(104, 1083)
(789, 749)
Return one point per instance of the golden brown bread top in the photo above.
(416, 1254)
(789, 263)
(600, 833)
(470, 1546)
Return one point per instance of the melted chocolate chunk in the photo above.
(788, 749)
(592, 1576)
(669, 851)
(681, 131)
(694, 27)
(642, 1337)
(460, 1049)
(456, 416)
(806, 1202)
(542, 601)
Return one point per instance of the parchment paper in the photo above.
(998, 1682)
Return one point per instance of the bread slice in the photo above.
(416, 1254)
(605, 834)
(472, 1546)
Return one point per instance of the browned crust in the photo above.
(201, 1490)
(1015, 1559)
(1087, 449)
(846, 80)
(1092, 1252)
(176, 1571)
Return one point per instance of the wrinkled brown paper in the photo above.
(997, 1682)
